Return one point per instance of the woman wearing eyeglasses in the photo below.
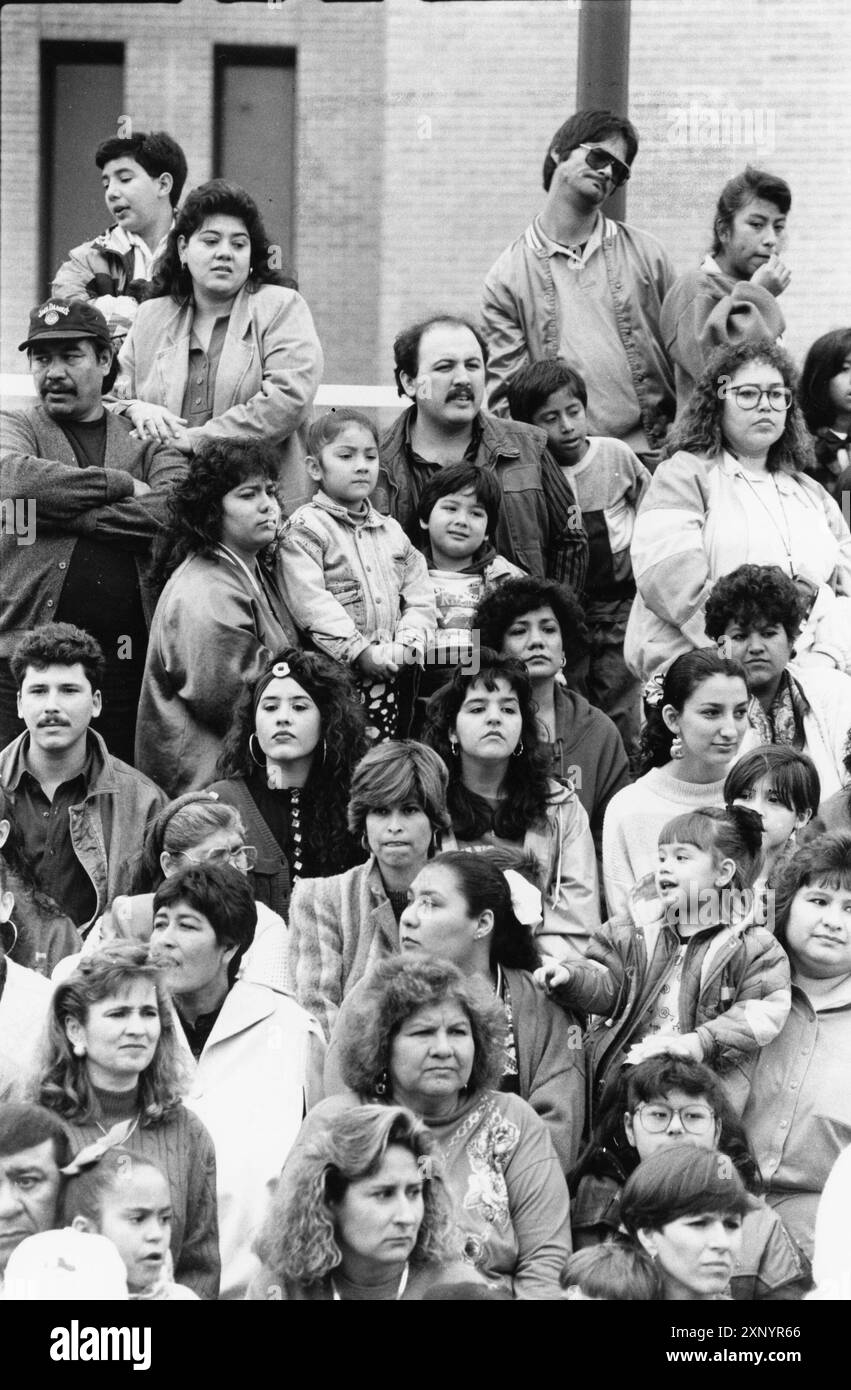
(733, 492)
(663, 1102)
(198, 828)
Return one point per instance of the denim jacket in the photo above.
(520, 315)
(349, 583)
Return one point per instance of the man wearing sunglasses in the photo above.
(581, 286)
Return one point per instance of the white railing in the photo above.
(18, 386)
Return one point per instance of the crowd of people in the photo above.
(425, 854)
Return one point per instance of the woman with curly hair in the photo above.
(479, 911)
(286, 766)
(734, 491)
(695, 721)
(540, 623)
(484, 726)
(224, 347)
(364, 1215)
(340, 925)
(220, 615)
(425, 1036)
(112, 1073)
(669, 1100)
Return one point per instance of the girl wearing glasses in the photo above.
(197, 828)
(733, 491)
(668, 1101)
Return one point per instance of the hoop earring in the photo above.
(382, 1085)
(518, 752)
(253, 754)
(677, 749)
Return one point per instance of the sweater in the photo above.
(633, 820)
(181, 1147)
(511, 1199)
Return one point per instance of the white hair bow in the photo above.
(525, 899)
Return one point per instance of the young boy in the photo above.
(609, 481)
(142, 177)
(126, 1199)
(614, 1271)
(458, 513)
(352, 580)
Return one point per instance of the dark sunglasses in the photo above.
(599, 159)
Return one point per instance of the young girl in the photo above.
(126, 1198)
(356, 584)
(614, 1272)
(686, 970)
(825, 396)
(782, 786)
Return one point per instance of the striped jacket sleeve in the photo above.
(669, 561)
(316, 951)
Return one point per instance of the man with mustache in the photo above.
(80, 814)
(440, 366)
(580, 286)
(93, 499)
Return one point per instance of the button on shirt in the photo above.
(589, 336)
(45, 832)
(197, 406)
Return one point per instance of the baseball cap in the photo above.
(64, 318)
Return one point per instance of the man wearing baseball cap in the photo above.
(80, 504)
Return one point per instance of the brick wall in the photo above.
(422, 129)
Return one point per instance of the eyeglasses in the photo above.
(695, 1119)
(598, 159)
(243, 857)
(749, 397)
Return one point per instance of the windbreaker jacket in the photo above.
(735, 991)
(540, 524)
(39, 471)
(670, 560)
(268, 374)
(350, 583)
(520, 316)
(213, 633)
(103, 266)
(108, 826)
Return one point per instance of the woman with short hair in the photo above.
(341, 924)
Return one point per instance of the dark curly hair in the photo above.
(754, 596)
(825, 861)
(699, 430)
(406, 345)
(396, 988)
(22, 878)
(680, 681)
(343, 721)
(214, 199)
(608, 1149)
(194, 525)
(58, 644)
(824, 360)
(526, 786)
(514, 598)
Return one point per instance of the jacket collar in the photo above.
(103, 777)
(372, 518)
